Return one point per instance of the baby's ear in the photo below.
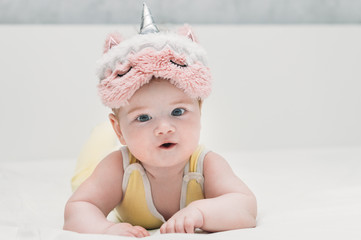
(112, 40)
(187, 31)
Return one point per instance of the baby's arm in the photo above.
(87, 209)
(229, 203)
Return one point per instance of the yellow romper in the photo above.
(137, 207)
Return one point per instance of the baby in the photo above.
(161, 178)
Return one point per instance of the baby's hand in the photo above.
(184, 221)
(126, 229)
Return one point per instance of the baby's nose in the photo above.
(164, 127)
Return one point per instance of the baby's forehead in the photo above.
(159, 94)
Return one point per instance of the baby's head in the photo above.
(129, 64)
(155, 83)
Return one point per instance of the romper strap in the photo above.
(192, 186)
(125, 154)
(128, 158)
(195, 163)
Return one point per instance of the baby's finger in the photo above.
(169, 226)
(179, 226)
(133, 231)
(142, 231)
(162, 228)
(189, 225)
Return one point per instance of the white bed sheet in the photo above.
(302, 194)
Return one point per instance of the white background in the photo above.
(274, 87)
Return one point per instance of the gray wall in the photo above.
(180, 11)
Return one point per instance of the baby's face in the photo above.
(161, 124)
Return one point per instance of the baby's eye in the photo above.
(178, 112)
(143, 118)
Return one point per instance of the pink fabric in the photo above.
(112, 40)
(187, 31)
(194, 79)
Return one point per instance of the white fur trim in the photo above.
(179, 43)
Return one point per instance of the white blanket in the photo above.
(302, 194)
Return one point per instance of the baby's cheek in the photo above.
(193, 128)
(137, 146)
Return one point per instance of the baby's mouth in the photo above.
(168, 145)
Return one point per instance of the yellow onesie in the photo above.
(137, 207)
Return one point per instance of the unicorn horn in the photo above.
(147, 25)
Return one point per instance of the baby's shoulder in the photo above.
(214, 160)
(112, 162)
(216, 167)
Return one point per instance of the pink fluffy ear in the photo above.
(187, 31)
(112, 40)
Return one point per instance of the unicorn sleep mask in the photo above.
(127, 65)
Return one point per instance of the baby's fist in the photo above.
(184, 221)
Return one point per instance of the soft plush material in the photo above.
(128, 65)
